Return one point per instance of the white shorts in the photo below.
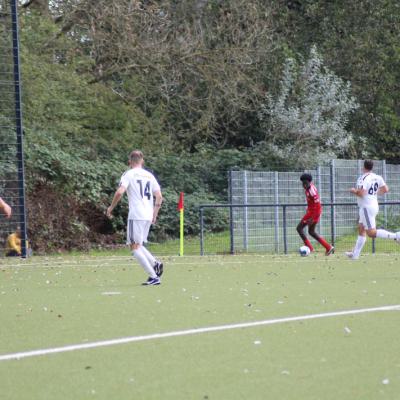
(367, 217)
(137, 231)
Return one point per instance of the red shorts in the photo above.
(311, 217)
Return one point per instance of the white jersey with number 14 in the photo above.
(371, 183)
(140, 186)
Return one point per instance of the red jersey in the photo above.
(312, 196)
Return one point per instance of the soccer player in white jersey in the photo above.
(368, 187)
(145, 198)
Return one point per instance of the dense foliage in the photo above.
(201, 87)
(306, 121)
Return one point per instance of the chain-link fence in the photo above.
(272, 228)
(11, 159)
(276, 204)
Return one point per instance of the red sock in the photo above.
(309, 245)
(324, 243)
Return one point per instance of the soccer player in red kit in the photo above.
(312, 216)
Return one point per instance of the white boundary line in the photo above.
(112, 261)
(128, 261)
(155, 336)
(112, 264)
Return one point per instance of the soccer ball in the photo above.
(304, 251)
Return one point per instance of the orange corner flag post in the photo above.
(181, 209)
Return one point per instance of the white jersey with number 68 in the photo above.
(140, 187)
(371, 183)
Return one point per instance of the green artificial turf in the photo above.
(58, 301)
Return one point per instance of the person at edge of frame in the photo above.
(5, 208)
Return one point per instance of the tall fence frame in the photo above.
(284, 226)
(333, 180)
(12, 181)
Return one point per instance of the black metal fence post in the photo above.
(285, 243)
(19, 129)
(201, 231)
(231, 230)
(333, 219)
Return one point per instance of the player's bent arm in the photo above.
(383, 189)
(157, 204)
(117, 197)
(5, 208)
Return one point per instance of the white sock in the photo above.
(149, 256)
(144, 262)
(381, 233)
(359, 245)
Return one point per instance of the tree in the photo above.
(360, 42)
(194, 66)
(306, 121)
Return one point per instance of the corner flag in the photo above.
(181, 209)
